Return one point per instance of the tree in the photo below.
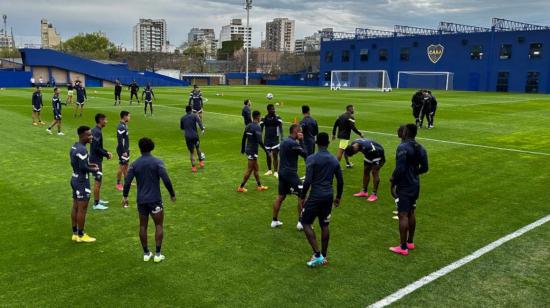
(95, 45)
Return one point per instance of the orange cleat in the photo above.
(193, 169)
(241, 189)
(262, 188)
(201, 164)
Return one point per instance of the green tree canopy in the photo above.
(94, 44)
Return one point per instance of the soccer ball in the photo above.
(269, 96)
(203, 156)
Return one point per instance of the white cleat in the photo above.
(147, 257)
(60, 134)
(276, 223)
(268, 173)
(276, 175)
(158, 258)
(49, 131)
(299, 227)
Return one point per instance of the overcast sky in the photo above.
(116, 18)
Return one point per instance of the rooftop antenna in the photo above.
(248, 7)
(5, 17)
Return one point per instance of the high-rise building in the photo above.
(280, 35)
(299, 46)
(150, 35)
(236, 31)
(205, 38)
(310, 43)
(48, 36)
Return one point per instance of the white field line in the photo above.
(457, 264)
(329, 127)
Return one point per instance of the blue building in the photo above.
(507, 57)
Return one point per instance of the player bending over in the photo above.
(97, 153)
(80, 184)
(56, 104)
(345, 124)
(252, 139)
(417, 101)
(37, 105)
(188, 124)
(410, 162)
(122, 148)
(81, 98)
(149, 96)
(373, 162)
(272, 124)
(148, 171)
(289, 181)
(195, 101)
(321, 169)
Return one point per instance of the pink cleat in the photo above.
(119, 187)
(410, 246)
(372, 198)
(193, 169)
(398, 250)
(362, 194)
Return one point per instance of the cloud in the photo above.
(116, 18)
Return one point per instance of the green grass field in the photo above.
(220, 249)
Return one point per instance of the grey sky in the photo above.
(116, 18)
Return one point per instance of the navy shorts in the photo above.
(192, 143)
(376, 158)
(36, 109)
(123, 160)
(272, 145)
(81, 189)
(79, 102)
(98, 175)
(289, 184)
(319, 208)
(57, 117)
(406, 202)
(251, 155)
(146, 209)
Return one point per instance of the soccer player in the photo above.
(321, 169)
(37, 105)
(97, 153)
(417, 102)
(289, 181)
(81, 98)
(188, 124)
(410, 162)
(118, 91)
(373, 162)
(345, 124)
(80, 184)
(195, 101)
(123, 148)
(70, 92)
(252, 138)
(56, 104)
(149, 96)
(425, 112)
(148, 171)
(431, 114)
(134, 88)
(272, 124)
(246, 112)
(310, 129)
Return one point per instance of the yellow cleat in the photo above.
(262, 188)
(74, 238)
(85, 239)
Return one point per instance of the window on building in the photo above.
(364, 55)
(535, 51)
(383, 55)
(505, 51)
(532, 84)
(477, 53)
(345, 56)
(328, 57)
(404, 54)
(502, 81)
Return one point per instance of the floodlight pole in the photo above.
(248, 6)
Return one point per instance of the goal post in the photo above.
(425, 80)
(368, 80)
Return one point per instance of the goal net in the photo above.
(373, 80)
(425, 80)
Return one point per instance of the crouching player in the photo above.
(374, 161)
(321, 168)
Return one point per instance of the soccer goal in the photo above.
(425, 80)
(373, 80)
